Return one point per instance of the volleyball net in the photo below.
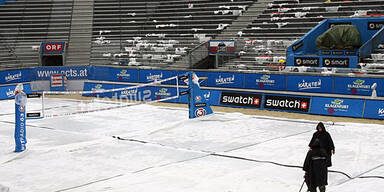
(108, 96)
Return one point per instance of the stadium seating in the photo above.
(156, 33)
(283, 22)
(24, 25)
(163, 33)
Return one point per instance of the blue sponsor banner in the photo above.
(163, 93)
(72, 73)
(358, 86)
(98, 86)
(124, 75)
(374, 109)
(265, 81)
(8, 92)
(128, 94)
(337, 106)
(293, 103)
(218, 79)
(240, 99)
(14, 76)
(99, 73)
(313, 84)
(149, 76)
(134, 94)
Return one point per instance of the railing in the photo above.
(370, 45)
(197, 54)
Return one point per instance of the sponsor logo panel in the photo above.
(123, 75)
(33, 114)
(200, 105)
(380, 112)
(241, 99)
(337, 52)
(265, 80)
(375, 25)
(336, 105)
(200, 112)
(287, 103)
(222, 80)
(307, 61)
(336, 62)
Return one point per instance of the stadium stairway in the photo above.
(79, 46)
(229, 33)
(254, 10)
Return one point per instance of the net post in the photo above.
(20, 119)
(198, 102)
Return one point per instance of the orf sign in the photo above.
(53, 47)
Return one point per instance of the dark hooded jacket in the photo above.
(315, 166)
(326, 141)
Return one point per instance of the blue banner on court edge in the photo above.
(337, 106)
(71, 72)
(374, 109)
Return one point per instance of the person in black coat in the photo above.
(326, 141)
(315, 167)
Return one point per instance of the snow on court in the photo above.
(160, 149)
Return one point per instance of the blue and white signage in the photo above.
(98, 87)
(72, 73)
(148, 76)
(358, 86)
(337, 106)
(374, 109)
(7, 92)
(310, 84)
(265, 81)
(235, 80)
(124, 75)
(14, 76)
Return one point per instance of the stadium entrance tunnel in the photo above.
(54, 60)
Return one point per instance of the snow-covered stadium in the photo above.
(189, 95)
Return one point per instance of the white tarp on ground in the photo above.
(167, 152)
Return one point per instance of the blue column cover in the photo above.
(20, 131)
